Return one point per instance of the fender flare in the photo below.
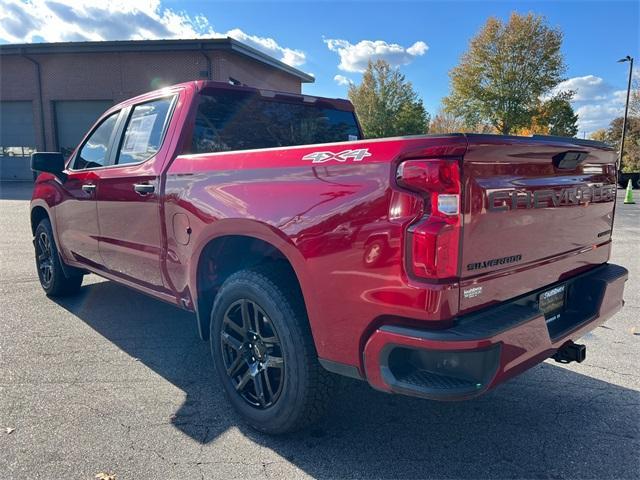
(68, 270)
(259, 231)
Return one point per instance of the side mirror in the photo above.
(52, 162)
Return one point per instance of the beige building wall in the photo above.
(121, 75)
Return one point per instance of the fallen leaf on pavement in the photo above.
(105, 476)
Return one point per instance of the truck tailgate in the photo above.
(535, 211)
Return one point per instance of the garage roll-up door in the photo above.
(17, 140)
(74, 119)
(16, 124)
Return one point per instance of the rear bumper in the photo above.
(485, 348)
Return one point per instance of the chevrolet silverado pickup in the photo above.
(433, 266)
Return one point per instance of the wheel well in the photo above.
(37, 215)
(226, 255)
(375, 238)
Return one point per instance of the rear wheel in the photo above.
(264, 354)
(52, 277)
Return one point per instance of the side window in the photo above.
(214, 120)
(94, 151)
(237, 120)
(145, 130)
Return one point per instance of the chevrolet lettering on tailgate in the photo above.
(503, 200)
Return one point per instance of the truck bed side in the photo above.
(323, 216)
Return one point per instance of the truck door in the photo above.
(76, 215)
(128, 195)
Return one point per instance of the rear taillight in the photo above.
(434, 240)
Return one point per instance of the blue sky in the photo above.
(330, 39)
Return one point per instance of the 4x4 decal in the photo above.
(321, 157)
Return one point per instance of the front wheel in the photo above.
(52, 277)
(264, 354)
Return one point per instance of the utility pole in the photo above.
(626, 108)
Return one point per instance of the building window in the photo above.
(17, 151)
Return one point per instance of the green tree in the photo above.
(505, 71)
(386, 103)
(554, 116)
(557, 115)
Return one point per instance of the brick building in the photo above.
(51, 93)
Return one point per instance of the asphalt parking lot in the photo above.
(112, 381)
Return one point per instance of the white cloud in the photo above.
(354, 58)
(587, 88)
(596, 102)
(27, 21)
(418, 49)
(342, 80)
(593, 116)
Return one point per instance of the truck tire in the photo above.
(50, 272)
(264, 354)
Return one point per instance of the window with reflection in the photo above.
(236, 120)
(94, 151)
(145, 130)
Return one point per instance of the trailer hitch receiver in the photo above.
(571, 352)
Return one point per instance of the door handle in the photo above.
(89, 188)
(144, 188)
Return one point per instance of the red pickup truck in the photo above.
(433, 266)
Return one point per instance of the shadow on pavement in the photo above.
(16, 190)
(548, 423)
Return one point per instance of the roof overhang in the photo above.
(112, 46)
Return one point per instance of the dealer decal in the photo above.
(472, 292)
(356, 155)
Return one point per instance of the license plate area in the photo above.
(552, 302)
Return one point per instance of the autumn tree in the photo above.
(631, 157)
(612, 136)
(599, 135)
(634, 99)
(386, 103)
(447, 122)
(506, 70)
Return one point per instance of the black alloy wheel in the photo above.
(45, 258)
(51, 273)
(252, 354)
(263, 351)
